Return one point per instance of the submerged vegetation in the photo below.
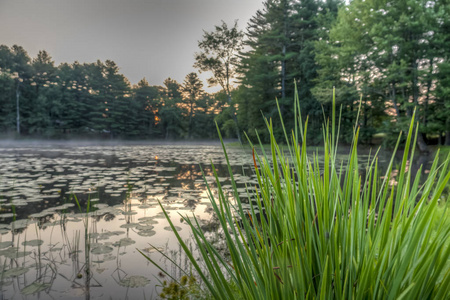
(328, 231)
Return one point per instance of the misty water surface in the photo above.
(51, 249)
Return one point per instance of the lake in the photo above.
(72, 215)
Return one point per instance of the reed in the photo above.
(327, 232)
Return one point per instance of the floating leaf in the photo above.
(102, 250)
(33, 243)
(124, 242)
(15, 272)
(5, 244)
(109, 257)
(147, 233)
(129, 213)
(134, 281)
(145, 206)
(34, 288)
(20, 224)
(129, 225)
(145, 227)
(13, 252)
(168, 228)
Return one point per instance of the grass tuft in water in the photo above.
(327, 232)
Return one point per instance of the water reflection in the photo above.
(71, 218)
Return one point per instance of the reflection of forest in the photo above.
(124, 210)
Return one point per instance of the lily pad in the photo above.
(124, 242)
(129, 213)
(148, 221)
(15, 272)
(145, 227)
(168, 228)
(147, 233)
(33, 243)
(109, 257)
(102, 250)
(20, 224)
(5, 244)
(129, 225)
(34, 288)
(13, 252)
(145, 206)
(134, 281)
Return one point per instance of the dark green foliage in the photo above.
(383, 57)
(95, 100)
(281, 38)
(193, 91)
(390, 52)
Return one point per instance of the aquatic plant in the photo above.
(326, 231)
(184, 289)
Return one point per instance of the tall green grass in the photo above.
(327, 232)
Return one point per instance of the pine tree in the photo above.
(193, 91)
(280, 40)
(171, 111)
(145, 108)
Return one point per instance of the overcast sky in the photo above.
(154, 39)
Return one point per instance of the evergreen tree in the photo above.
(22, 74)
(7, 91)
(145, 109)
(193, 91)
(171, 111)
(281, 49)
(45, 107)
(112, 97)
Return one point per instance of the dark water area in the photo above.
(72, 215)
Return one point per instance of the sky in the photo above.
(155, 39)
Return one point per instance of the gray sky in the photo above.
(154, 39)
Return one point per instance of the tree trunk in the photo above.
(420, 140)
(17, 108)
(423, 147)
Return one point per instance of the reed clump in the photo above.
(328, 232)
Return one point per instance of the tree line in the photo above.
(385, 59)
(40, 99)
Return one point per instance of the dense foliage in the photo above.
(387, 56)
(95, 100)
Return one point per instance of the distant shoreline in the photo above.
(10, 143)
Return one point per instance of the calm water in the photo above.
(49, 249)
(47, 244)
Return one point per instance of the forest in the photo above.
(384, 58)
